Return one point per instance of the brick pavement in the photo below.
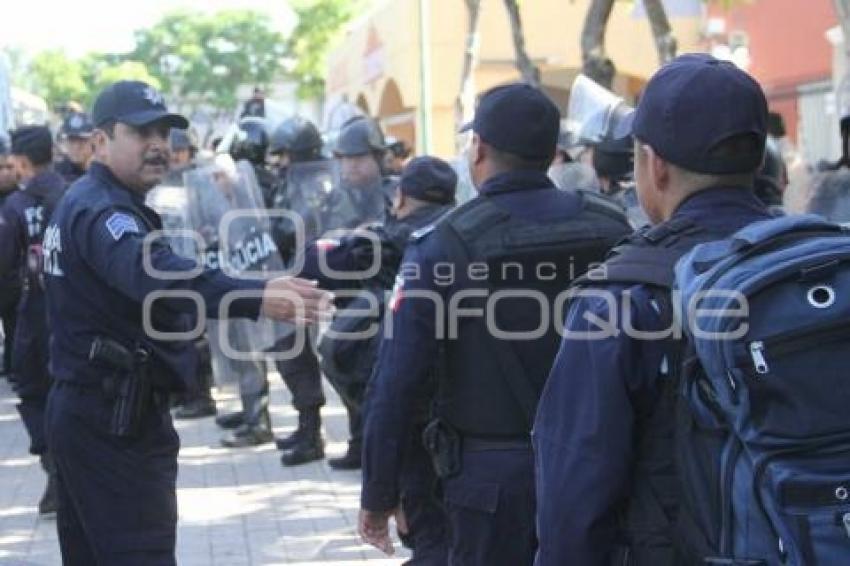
(237, 507)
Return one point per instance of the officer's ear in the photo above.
(657, 168)
(477, 150)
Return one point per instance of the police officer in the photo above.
(360, 151)
(75, 139)
(603, 441)
(10, 284)
(251, 426)
(297, 141)
(183, 148)
(397, 155)
(111, 292)
(492, 266)
(26, 213)
(197, 402)
(613, 160)
(251, 143)
(425, 193)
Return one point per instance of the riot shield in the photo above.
(597, 114)
(314, 194)
(226, 209)
(171, 202)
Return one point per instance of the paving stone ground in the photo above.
(237, 507)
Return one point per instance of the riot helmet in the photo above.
(297, 137)
(251, 141)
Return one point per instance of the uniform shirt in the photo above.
(97, 282)
(584, 430)
(69, 170)
(24, 220)
(406, 359)
(355, 252)
(10, 280)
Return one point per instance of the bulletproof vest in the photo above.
(649, 516)
(489, 387)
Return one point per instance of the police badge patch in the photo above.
(119, 224)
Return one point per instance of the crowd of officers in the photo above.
(440, 418)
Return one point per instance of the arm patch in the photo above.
(120, 223)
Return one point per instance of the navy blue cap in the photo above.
(694, 103)
(134, 103)
(430, 179)
(518, 119)
(180, 139)
(35, 142)
(77, 125)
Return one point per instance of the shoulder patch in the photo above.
(120, 223)
(417, 235)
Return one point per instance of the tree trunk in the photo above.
(465, 102)
(530, 73)
(595, 63)
(665, 43)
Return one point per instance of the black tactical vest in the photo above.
(489, 385)
(651, 522)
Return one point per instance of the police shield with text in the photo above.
(227, 210)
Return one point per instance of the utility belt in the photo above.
(130, 386)
(446, 445)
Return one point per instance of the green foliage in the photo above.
(57, 78)
(209, 56)
(320, 23)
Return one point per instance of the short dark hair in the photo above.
(513, 162)
(736, 145)
(108, 128)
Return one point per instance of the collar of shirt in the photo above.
(516, 181)
(715, 205)
(47, 179)
(105, 174)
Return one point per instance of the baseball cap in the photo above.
(135, 103)
(429, 179)
(693, 104)
(517, 119)
(77, 125)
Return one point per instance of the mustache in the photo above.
(156, 160)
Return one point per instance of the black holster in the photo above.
(443, 444)
(129, 387)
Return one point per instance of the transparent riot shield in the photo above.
(597, 114)
(171, 202)
(315, 195)
(226, 209)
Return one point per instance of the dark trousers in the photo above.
(426, 518)
(491, 509)
(9, 316)
(301, 375)
(30, 369)
(117, 497)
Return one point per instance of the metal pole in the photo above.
(425, 113)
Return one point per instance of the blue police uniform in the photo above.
(490, 504)
(117, 495)
(605, 426)
(10, 294)
(585, 426)
(26, 213)
(116, 491)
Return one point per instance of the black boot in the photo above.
(196, 409)
(47, 504)
(289, 442)
(257, 425)
(230, 420)
(351, 460)
(309, 445)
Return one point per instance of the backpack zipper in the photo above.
(757, 353)
(790, 342)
